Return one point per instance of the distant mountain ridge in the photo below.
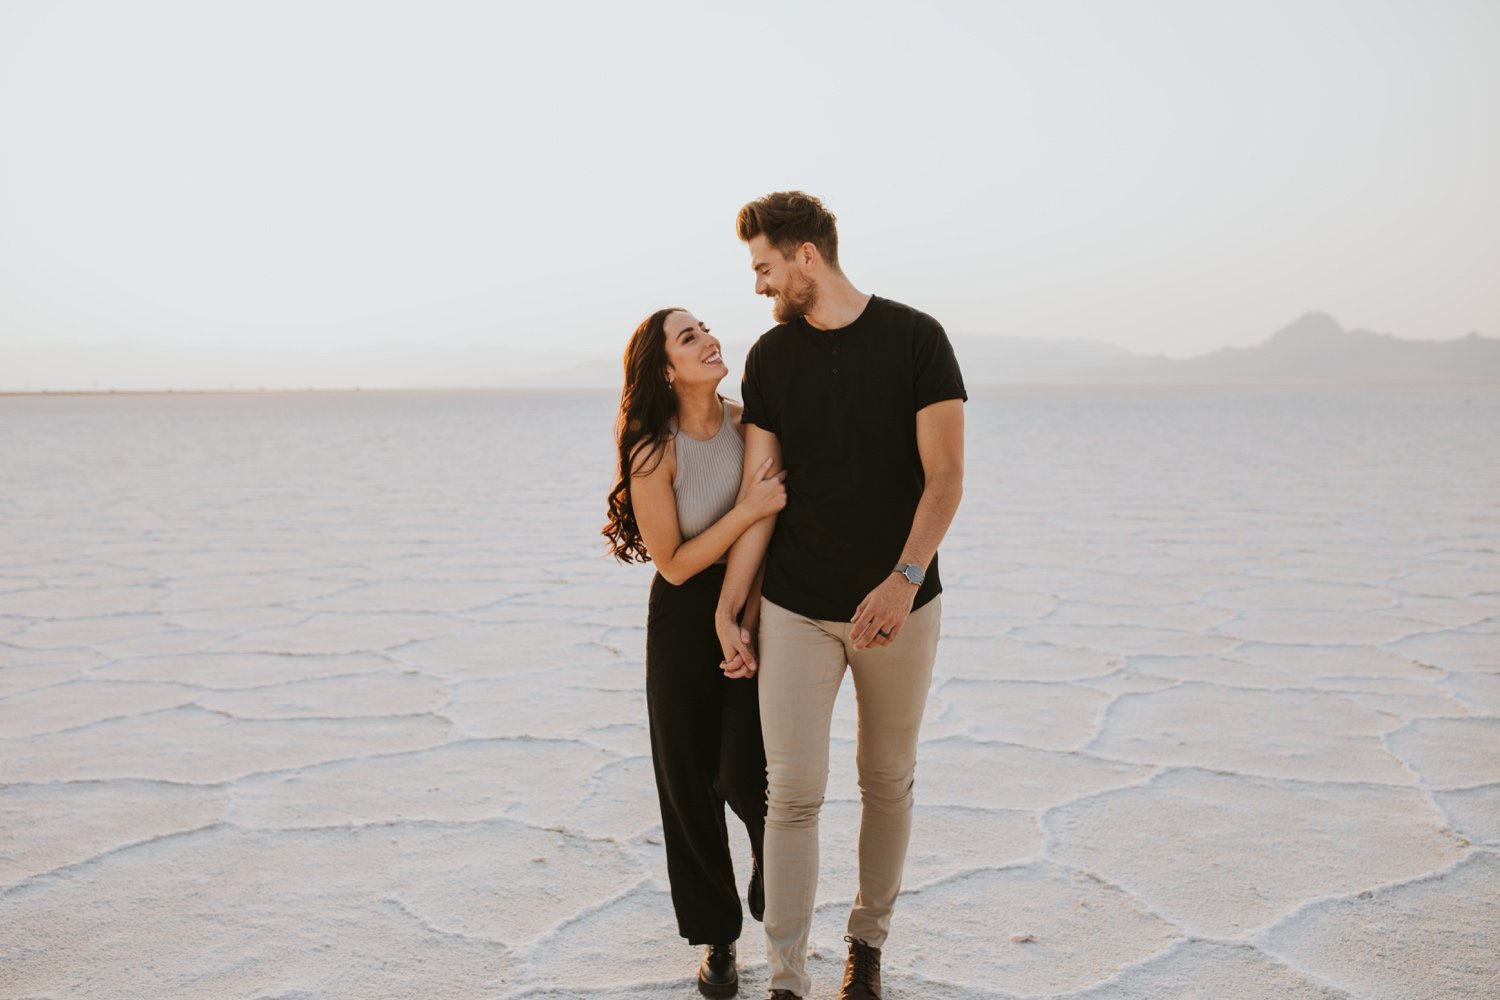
(1313, 349)
(1316, 348)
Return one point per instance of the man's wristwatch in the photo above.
(912, 572)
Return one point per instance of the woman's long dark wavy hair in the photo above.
(647, 408)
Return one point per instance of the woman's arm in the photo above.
(655, 507)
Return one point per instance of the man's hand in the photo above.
(739, 668)
(736, 642)
(883, 613)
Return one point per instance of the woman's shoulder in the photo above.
(736, 415)
(652, 455)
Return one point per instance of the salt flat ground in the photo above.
(312, 696)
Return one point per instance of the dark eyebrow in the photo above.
(686, 330)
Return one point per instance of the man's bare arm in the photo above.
(940, 444)
(747, 553)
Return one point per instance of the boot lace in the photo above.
(863, 965)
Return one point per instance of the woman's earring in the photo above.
(669, 379)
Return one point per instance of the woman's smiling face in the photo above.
(693, 354)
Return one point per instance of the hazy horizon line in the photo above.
(1314, 349)
(600, 390)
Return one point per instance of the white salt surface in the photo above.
(332, 696)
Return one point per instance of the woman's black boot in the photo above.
(717, 975)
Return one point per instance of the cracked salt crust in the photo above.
(357, 711)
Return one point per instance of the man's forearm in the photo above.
(745, 558)
(940, 498)
(753, 605)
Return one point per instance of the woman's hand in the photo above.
(767, 494)
(738, 647)
(741, 665)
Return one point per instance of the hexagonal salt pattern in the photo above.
(1208, 970)
(1433, 936)
(334, 696)
(1035, 930)
(1294, 734)
(1244, 851)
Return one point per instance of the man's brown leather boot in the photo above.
(861, 972)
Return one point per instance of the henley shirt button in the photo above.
(835, 371)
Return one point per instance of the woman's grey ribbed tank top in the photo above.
(708, 477)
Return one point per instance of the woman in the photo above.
(677, 503)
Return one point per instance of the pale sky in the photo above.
(1168, 176)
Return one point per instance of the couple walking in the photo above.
(794, 536)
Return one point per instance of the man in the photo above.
(860, 399)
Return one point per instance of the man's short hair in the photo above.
(789, 219)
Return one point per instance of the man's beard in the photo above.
(796, 300)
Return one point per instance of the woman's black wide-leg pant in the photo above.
(707, 750)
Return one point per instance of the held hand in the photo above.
(883, 613)
(749, 632)
(767, 494)
(738, 667)
(735, 642)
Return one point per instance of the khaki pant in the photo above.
(802, 663)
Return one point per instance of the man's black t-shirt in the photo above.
(844, 405)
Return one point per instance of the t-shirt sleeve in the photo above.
(938, 377)
(753, 393)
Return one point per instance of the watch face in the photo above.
(913, 574)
